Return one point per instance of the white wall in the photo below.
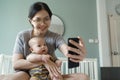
(110, 4)
(103, 34)
(105, 8)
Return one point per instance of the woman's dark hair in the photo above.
(38, 6)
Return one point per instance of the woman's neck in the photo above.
(35, 33)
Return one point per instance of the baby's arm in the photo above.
(38, 58)
(34, 57)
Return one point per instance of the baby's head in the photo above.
(38, 45)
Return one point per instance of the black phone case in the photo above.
(70, 63)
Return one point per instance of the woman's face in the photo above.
(41, 22)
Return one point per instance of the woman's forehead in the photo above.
(41, 14)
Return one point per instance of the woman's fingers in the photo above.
(79, 45)
(76, 58)
(82, 45)
(80, 50)
(53, 69)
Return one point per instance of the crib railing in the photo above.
(5, 64)
(87, 66)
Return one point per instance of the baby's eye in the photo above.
(39, 45)
(44, 44)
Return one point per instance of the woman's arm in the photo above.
(20, 63)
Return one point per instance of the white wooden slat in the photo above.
(87, 66)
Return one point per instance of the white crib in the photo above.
(87, 66)
(5, 64)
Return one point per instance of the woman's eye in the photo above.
(47, 18)
(38, 20)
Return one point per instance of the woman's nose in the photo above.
(42, 22)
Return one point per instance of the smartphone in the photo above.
(70, 63)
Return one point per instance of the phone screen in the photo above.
(70, 63)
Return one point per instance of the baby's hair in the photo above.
(33, 40)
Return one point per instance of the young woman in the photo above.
(40, 19)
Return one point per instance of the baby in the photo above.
(38, 46)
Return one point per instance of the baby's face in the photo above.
(40, 47)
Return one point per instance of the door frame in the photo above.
(103, 34)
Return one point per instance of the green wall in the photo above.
(79, 16)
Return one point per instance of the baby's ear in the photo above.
(31, 49)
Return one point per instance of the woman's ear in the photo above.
(30, 22)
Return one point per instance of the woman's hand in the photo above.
(53, 70)
(81, 51)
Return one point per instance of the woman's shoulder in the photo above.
(25, 34)
(25, 31)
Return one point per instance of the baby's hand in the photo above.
(45, 58)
